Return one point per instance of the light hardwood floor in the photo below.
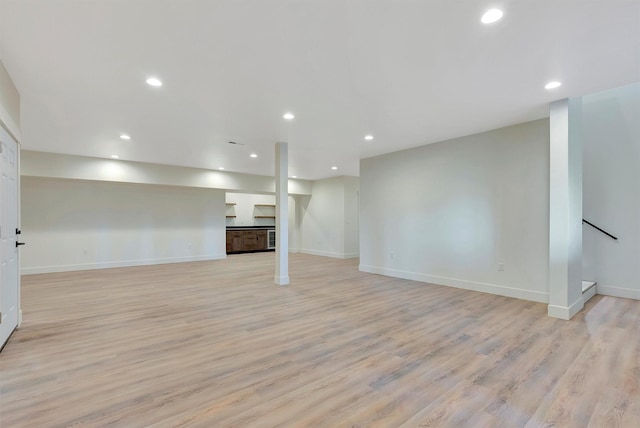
(217, 344)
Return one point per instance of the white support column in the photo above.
(565, 209)
(282, 214)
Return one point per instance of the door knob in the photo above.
(20, 243)
(18, 231)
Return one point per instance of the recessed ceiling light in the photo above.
(221, 168)
(491, 16)
(334, 168)
(368, 137)
(288, 116)
(154, 81)
(253, 155)
(115, 156)
(552, 85)
(125, 137)
(294, 176)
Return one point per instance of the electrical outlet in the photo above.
(85, 252)
(501, 267)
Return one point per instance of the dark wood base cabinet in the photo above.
(234, 241)
(239, 241)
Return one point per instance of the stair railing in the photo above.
(600, 229)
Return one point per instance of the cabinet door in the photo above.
(229, 241)
(250, 241)
(236, 241)
(262, 239)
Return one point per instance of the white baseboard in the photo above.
(331, 254)
(115, 264)
(589, 293)
(564, 312)
(500, 290)
(626, 293)
(281, 280)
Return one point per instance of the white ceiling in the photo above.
(408, 72)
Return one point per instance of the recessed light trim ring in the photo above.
(491, 16)
(154, 81)
(553, 85)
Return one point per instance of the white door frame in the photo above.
(10, 318)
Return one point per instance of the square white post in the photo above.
(565, 209)
(282, 214)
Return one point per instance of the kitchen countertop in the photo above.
(250, 227)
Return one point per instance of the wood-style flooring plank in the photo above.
(217, 344)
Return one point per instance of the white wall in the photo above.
(323, 219)
(329, 218)
(294, 223)
(611, 179)
(245, 209)
(75, 225)
(450, 213)
(9, 104)
(351, 216)
(52, 165)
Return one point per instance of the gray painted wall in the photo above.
(611, 186)
(450, 213)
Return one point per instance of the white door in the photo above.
(9, 278)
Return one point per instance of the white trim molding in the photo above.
(589, 293)
(281, 280)
(626, 293)
(331, 254)
(565, 313)
(116, 264)
(500, 290)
